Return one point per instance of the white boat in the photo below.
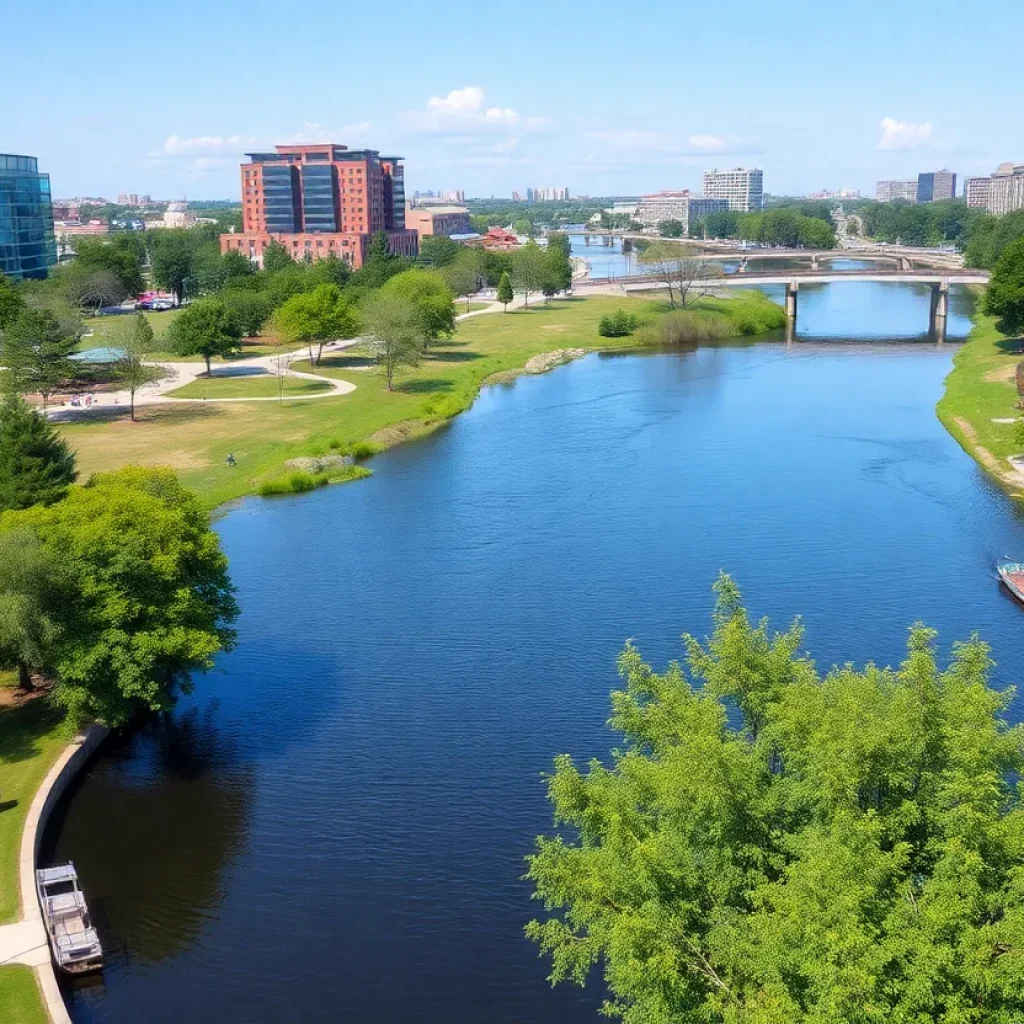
(73, 940)
(1012, 575)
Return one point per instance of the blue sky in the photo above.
(605, 98)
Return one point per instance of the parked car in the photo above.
(159, 305)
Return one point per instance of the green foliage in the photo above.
(990, 236)
(205, 328)
(723, 224)
(11, 302)
(670, 228)
(36, 351)
(249, 309)
(523, 226)
(151, 600)
(464, 275)
(380, 264)
(770, 845)
(712, 319)
(120, 256)
(494, 264)
(363, 449)
(438, 251)
(174, 253)
(429, 292)
(395, 328)
(1004, 298)
(505, 293)
(34, 598)
(1018, 432)
(315, 317)
(133, 341)
(36, 465)
(619, 324)
(296, 482)
(531, 270)
(920, 223)
(276, 257)
(559, 253)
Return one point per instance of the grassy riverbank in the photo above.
(31, 738)
(196, 439)
(981, 389)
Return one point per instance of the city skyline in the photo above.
(482, 125)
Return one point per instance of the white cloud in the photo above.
(707, 143)
(466, 109)
(903, 134)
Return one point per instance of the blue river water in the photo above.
(333, 826)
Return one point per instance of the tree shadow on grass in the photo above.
(425, 385)
(169, 414)
(444, 355)
(1011, 346)
(21, 727)
(343, 362)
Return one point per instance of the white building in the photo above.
(741, 187)
(1006, 192)
(177, 215)
(977, 191)
(679, 205)
(547, 194)
(890, 191)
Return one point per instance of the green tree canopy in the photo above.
(505, 292)
(36, 465)
(671, 228)
(315, 317)
(276, 257)
(249, 309)
(438, 251)
(560, 259)
(465, 274)
(380, 264)
(174, 259)
(36, 350)
(395, 330)
(206, 329)
(531, 270)
(151, 598)
(1004, 298)
(770, 845)
(11, 301)
(132, 340)
(428, 291)
(121, 259)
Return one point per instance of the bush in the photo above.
(1018, 432)
(294, 483)
(619, 324)
(363, 449)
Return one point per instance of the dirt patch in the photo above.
(15, 697)
(1002, 375)
(557, 328)
(1011, 477)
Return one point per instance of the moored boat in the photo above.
(1012, 574)
(73, 940)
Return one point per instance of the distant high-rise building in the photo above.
(546, 194)
(659, 207)
(977, 191)
(27, 246)
(517, 197)
(320, 201)
(1006, 192)
(741, 187)
(890, 191)
(934, 186)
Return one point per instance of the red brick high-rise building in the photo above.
(321, 200)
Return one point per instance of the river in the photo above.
(333, 826)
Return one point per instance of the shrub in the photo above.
(363, 449)
(619, 324)
(293, 483)
(1018, 432)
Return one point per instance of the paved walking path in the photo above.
(23, 942)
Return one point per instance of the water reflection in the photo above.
(162, 817)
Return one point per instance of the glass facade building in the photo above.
(27, 246)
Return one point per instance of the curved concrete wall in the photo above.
(63, 771)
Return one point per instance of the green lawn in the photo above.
(196, 439)
(20, 999)
(263, 385)
(979, 389)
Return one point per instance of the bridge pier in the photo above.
(814, 262)
(939, 311)
(743, 265)
(791, 293)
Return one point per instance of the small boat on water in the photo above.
(1012, 574)
(75, 944)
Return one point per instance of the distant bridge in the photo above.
(939, 282)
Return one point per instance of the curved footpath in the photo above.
(25, 942)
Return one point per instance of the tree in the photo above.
(122, 260)
(380, 264)
(463, 276)
(330, 270)
(770, 845)
(153, 598)
(249, 309)
(36, 352)
(438, 251)
(560, 258)
(84, 287)
(685, 272)
(428, 291)
(276, 257)
(11, 302)
(315, 317)
(394, 326)
(133, 342)
(235, 264)
(206, 329)
(531, 269)
(174, 256)
(1005, 296)
(36, 465)
(670, 228)
(505, 293)
(34, 596)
